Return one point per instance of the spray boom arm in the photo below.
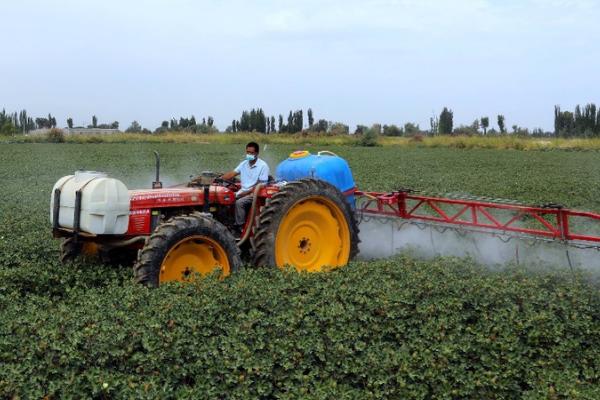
(550, 222)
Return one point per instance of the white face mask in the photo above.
(250, 157)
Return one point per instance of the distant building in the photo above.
(76, 131)
(39, 131)
(89, 131)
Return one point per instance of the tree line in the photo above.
(256, 120)
(584, 121)
(21, 122)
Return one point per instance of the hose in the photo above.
(252, 214)
(123, 243)
(331, 153)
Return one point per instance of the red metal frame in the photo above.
(554, 223)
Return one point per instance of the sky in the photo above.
(353, 61)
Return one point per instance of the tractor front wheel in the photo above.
(308, 224)
(183, 246)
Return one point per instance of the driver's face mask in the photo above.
(250, 157)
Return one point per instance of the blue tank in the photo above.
(325, 166)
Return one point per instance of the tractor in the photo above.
(305, 219)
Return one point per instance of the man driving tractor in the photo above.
(252, 171)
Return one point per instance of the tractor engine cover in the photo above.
(104, 207)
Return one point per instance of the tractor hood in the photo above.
(179, 197)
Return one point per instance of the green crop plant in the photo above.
(398, 328)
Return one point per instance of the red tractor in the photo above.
(174, 232)
(306, 219)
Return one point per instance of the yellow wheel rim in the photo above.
(89, 249)
(313, 234)
(193, 254)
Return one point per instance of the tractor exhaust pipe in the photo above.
(157, 184)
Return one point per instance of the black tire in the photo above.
(293, 193)
(69, 250)
(150, 259)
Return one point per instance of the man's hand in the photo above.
(244, 193)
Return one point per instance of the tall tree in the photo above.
(501, 124)
(589, 113)
(41, 123)
(485, 123)
(321, 126)
(210, 121)
(253, 121)
(280, 126)
(135, 127)
(290, 124)
(261, 121)
(30, 124)
(70, 122)
(565, 122)
(295, 121)
(446, 121)
(272, 123)
(244, 123)
(311, 120)
(25, 122)
(557, 120)
(94, 121)
(582, 122)
(434, 123)
(299, 121)
(579, 121)
(7, 126)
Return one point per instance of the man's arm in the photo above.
(245, 193)
(229, 175)
(263, 177)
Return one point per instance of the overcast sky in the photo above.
(355, 61)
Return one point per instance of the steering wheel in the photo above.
(225, 181)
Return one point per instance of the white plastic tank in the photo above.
(104, 203)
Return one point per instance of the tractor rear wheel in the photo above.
(185, 245)
(307, 224)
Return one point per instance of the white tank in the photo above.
(104, 203)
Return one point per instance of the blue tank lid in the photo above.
(324, 165)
